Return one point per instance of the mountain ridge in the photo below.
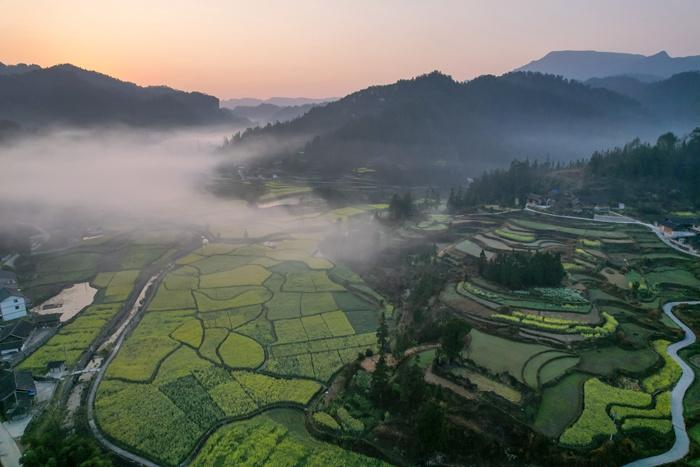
(433, 124)
(65, 94)
(586, 64)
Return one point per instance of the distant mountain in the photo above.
(65, 94)
(263, 114)
(17, 69)
(434, 128)
(584, 65)
(676, 99)
(278, 101)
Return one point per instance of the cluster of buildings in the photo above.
(17, 388)
(677, 228)
(14, 329)
(13, 305)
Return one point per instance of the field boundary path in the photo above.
(118, 337)
(681, 445)
(432, 378)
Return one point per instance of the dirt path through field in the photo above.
(432, 378)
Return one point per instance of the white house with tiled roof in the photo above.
(13, 305)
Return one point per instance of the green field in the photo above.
(561, 405)
(230, 332)
(498, 355)
(276, 438)
(594, 422)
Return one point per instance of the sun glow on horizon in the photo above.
(316, 48)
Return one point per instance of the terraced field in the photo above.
(234, 330)
(616, 275)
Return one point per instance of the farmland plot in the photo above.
(230, 331)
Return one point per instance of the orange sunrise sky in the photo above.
(318, 48)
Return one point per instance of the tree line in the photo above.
(668, 170)
(520, 269)
(508, 187)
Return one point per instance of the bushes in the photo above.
(326, 421)
(517, 269)
(348, 422)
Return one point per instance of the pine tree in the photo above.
(383, 334)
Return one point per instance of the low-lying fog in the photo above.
(158, 175)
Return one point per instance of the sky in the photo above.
(324, 48)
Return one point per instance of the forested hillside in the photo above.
(666, 172)
(68, 95)
(433, 128)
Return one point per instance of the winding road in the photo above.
(681, 446)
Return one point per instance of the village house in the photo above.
(677, 228)
(13, 305)
(17, 392)
(13, 336)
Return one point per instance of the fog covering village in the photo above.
(495, 271)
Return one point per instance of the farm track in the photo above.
(432, 378)
(119, 335)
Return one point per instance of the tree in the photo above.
(52, 446)
(452, 338)
(379, 387)
(383, 334)
(401, 207)
(667, 141)
(430, 427)
(482, 262)
(411, 386)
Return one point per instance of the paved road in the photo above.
(681, 446)
(9, 452)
